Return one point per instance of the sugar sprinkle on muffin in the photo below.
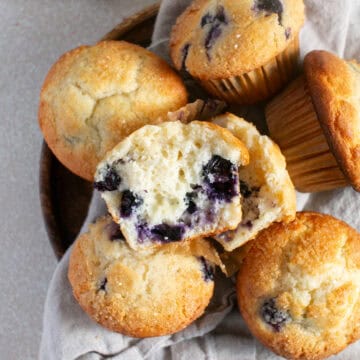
(299, 286)
(138, 293)
(95, 96)
(240, 51)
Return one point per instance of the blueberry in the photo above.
(189, 201)
(111, 180)
(218, 169)
(206, 19)
(129, 201)
(220, 175)
(273, 316)
(191, 207)
(143, 232)
(114, 232)
(102, 285)
(215, 21)
(196, 187)
(209, 215)
(269, 7)
(207, 269)
(219, 17)
(211, 37)
(168, 233)
(185, 53)
(163, 232)
(247, 224)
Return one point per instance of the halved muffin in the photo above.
(268, 194)
(173, 181)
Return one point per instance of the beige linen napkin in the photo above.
(68, 333)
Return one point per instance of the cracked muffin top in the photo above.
(299, 287)
(219, 39)
(95, 96)
(140, 293)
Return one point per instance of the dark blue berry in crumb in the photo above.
(207, 269)
(220, 15)
(269, 7)
(196, 187)
(102, 285)
(190, 203)
(209, 215)
(273, 316)
(143, 232)
(129, 201)
(248, 224)
(220, 175)
(111, 180)
(114, 232)
(167, 233)
(185, 53)
(206, 19)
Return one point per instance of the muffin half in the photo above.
(173, 181)
(267, 193)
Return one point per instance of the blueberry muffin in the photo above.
(173, 181)
(316, 123)
(143, 293)
(94, 96)
(240, 51)
(268, 194)
(299, 286)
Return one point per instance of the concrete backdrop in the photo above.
(33, 35)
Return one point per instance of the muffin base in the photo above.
(294, 125)
(258, 84)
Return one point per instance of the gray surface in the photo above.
(33, 35)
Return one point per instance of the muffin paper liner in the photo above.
(258, 84)
(197, 110)
(293, 124)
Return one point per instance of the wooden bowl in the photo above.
(65, 197)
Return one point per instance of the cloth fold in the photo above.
(68, 333)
